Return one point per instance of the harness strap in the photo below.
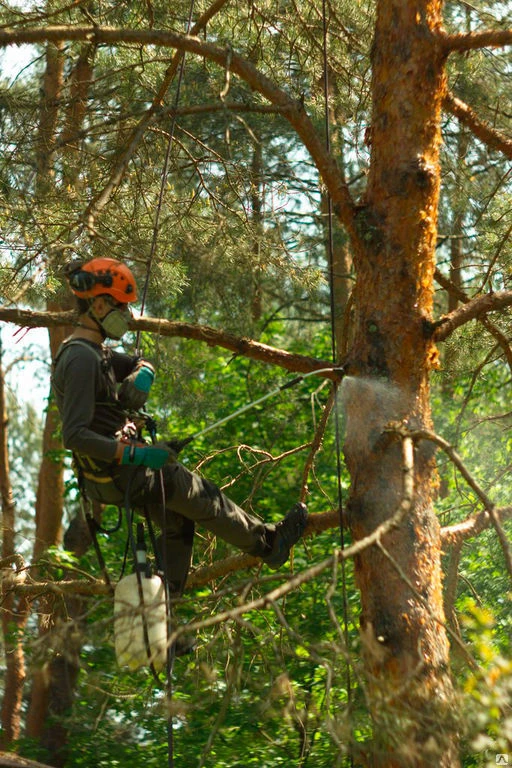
(93, 530)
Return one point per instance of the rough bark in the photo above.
(402, 618)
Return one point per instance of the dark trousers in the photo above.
(176, 499)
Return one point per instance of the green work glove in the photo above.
(152, 456)
(134, 390)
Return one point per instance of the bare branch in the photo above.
(482, 130)
(468, 529)
(317, 442)
(292, 109)
(239, 345)
(475, 308)
(492, 38)
(493, 329)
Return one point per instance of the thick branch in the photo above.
(239, 345)
(482, 130)
(292, 109)
(492, 38)
(491, 302)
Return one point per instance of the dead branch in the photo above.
(317, 443)
(458, 532)
(474, 309)
(490, 507)
(481, 129)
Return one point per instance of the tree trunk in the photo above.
(55, 680)
(49, 510)
(337, 244)
(50, 491)
(404, 640)
(14, 609)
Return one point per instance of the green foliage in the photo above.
(241, 246)
(487, 688)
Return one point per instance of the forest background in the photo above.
(301, 185)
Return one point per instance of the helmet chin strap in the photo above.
(97, 321)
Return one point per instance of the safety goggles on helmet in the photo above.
(103, 276)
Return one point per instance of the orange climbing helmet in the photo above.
(103, 276)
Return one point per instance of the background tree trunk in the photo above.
(50, 695)
(14, 607)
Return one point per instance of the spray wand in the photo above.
(178, 445)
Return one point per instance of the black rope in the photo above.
(165, 172)
(330, 250)
(93, 531)
(156, 228)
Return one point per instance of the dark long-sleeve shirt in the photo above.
(84, 380)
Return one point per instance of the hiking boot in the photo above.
(287, 533)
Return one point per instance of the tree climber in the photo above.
(97, 391)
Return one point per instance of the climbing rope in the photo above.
(334, 351)
(163, 180)
(149, 265)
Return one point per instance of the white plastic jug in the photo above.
(129, 620)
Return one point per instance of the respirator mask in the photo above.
(115, 323)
